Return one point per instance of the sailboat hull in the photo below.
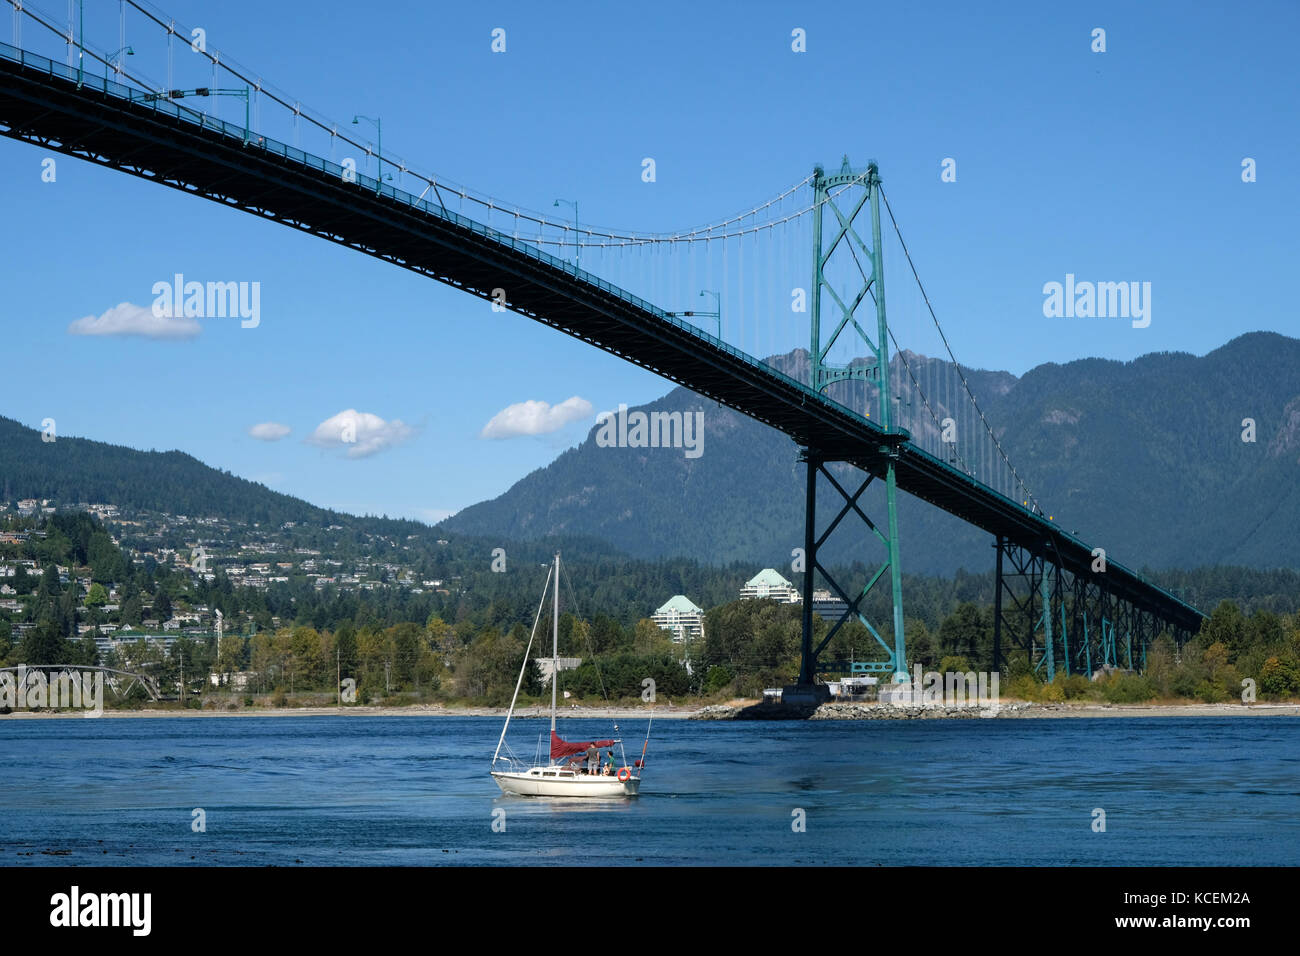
(547, 782)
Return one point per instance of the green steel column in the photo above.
(887, 417)
(1087, 646)
(814, 352)
(882, 327)
(1065, 639)
(1046, 592)
(997, 610)
(806, 670)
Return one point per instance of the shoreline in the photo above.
(1048, 711)
(359, 710)
(1012, 710)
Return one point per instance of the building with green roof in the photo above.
(769, 584)
(680, 617)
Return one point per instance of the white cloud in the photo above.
(128, 319)
(434, 515)
(361, 433)
(535, 418)
(269, 431)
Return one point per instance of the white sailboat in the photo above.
(566, 774)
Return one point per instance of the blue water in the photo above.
(415, 790)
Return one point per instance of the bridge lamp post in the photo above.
(117, 67)
(576, 247)
(377, 122)
(717, 314)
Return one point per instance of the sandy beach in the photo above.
(1160, 710)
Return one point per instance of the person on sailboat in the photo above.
(609, 763)
(593, 759)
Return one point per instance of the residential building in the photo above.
(769, 584)
(681, 618)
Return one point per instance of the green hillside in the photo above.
(78, 469)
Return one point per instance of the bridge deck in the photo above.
(107, 123)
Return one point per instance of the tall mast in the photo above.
(555, 640)
(541, 606)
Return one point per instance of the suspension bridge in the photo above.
(699, 307)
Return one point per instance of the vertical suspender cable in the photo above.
(740, 285)
(722, 278)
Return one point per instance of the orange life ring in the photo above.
(624, 774)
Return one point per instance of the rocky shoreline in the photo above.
(847, 711)
(1007, 709)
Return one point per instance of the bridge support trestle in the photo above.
(1069, 623)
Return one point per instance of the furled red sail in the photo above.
(567, 748)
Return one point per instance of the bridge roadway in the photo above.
(161, 140)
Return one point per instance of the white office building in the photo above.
(828, 605)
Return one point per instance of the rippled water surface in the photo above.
(415, 790)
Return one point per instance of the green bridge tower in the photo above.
(843, 196)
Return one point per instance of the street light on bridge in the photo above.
(379, 146)
(574, 204)
(117, 67)
(717, 313)
(716, 316)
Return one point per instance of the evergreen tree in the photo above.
(45, 644)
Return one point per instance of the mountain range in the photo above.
(1147, 458)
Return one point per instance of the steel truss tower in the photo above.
(837, 201)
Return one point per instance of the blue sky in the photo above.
(1122, 165)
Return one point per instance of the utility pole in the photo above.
(216, 663)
